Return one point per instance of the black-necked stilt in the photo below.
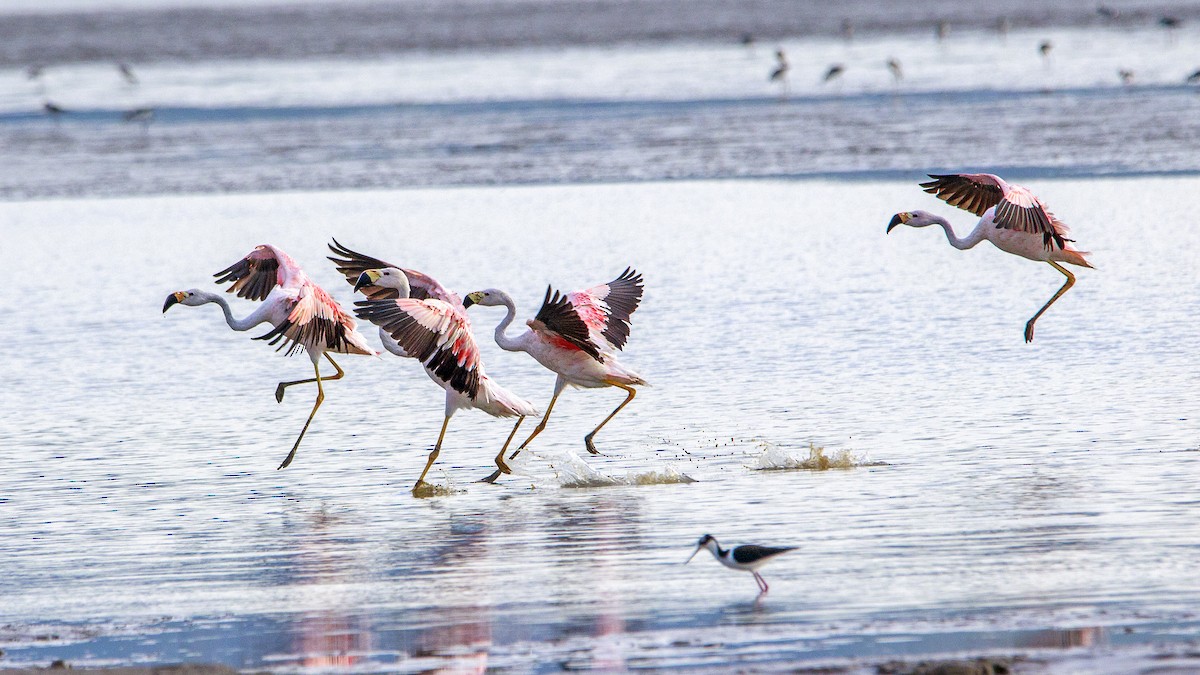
(127, 72)
(747, 558)
(781, 66)
(52, 109)
(142, 115)
(834, 71)
(1193, 78)
(893, 65)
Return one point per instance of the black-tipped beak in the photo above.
(467, 302)
(364, 279)
(896, 220)
(171, 300)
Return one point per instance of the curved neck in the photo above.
(975, 237)
(234, 323)
(507, 343)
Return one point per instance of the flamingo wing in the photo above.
(1016, 207)
(316, 321)
(253, 277)
(559, 317)
(606, 308)
(422, 286)
(434, 332)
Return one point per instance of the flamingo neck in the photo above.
(507, 343)
(976, 236)
(234, 322)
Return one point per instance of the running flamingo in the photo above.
(304, 316)
(1013, 219)
(419, 318)
(575, 335)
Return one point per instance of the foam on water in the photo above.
(572, 471)
(778, 458)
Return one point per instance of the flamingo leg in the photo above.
(501, 467)
(558, 389)
(285, 385)
(437, 450)
(1065, 287)
(591, 447)
(320, 398)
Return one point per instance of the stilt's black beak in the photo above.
(171, 300)
(363, 280)
(467, 302)
(896, 220)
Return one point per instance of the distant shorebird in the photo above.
(834, 72)
(1170, 22)
(1126, 76)
(127, 73)
(1108, 12)
(897, 72)
(35, 71)
(304, 317)
(1193, 78)
(53, 110)
(1012, 218)
(747, 40)
(781, 67)
(941, 29)
(142, 115)
(747, 558)
(1045, 48)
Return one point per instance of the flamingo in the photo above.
(1013, 219)
(419, 318)
(576, 336)
(304, 316)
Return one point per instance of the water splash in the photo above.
(572, 471)
(777, 458)
(426, 490)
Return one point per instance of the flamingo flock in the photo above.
(576, 336)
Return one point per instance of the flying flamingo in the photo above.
(419, 318)
(304, 316)
(1013, 219)
(575, 335)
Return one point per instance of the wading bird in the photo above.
(779, 74)
(126, 72)
(834, 71)
(418, 318)
(304, 316)
(747, 558)
(575, 335)
(1012, 218)
(893, 65)
(1193, 78)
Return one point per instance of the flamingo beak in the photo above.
(173, 299)
(899, 219)
(366, 279)
(469, 300)
(693, 555)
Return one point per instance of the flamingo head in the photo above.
(913, 219)
(487, 298)
(385, 277)
(192, 298)
(706, 542)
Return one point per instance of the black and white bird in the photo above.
(834, 72)
(747, 557)
(781, 67)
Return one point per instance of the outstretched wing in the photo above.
(606, 308)
(253, 277)
(434, 332)
(422, 286)
(559, 317)
(1016, 207)
(316, 321)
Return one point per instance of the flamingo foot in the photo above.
(1029, 331)
(279, 392)
(591, 447)
(495, 475)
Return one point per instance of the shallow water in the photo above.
(1031, 498)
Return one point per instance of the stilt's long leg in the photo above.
(559, 385)
(285, 385)
(501, 467)
(762, 583)
(1065, 287)
(320, 398)
(437, 450)
(591, 447)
